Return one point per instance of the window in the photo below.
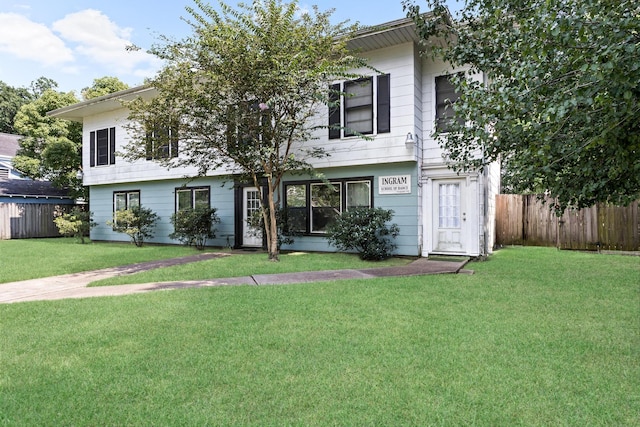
(123, 200)
(446, 96)
(326, 204)
(162, 142)
(192, 197)
(449, 203)
(102, 147)
(311, 206)
(365, 107)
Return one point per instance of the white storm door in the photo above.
(449, 216)
(250, 205)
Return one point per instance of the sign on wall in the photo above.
(394, 184)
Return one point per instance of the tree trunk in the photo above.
(271, 227)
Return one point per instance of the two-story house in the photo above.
(399, 167)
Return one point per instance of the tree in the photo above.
(241, 93)
(11, 99)
(51, 147)
(562, 103)
(103, 86)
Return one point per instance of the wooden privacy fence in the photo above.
(527, 220)
(29, 220)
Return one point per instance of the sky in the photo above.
(74, 42)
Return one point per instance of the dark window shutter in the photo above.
(92, 149)
(334, 111)
(384, 104)
(174, 141)
(112, 146)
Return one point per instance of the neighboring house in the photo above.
(400, 168)
(9, 145)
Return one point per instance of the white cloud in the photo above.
(26, 39)
(103, 42)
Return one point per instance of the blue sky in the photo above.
(76, 41)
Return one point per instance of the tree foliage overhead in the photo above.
(562, 102)
(241, 92)
(50, 148)
(11, 99)
(103, 86)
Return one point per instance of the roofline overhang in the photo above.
(101, 104)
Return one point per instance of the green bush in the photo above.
(137, 222)
(364, 230)
(77, 223)
(194, 226)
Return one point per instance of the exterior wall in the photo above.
(159, 196)
(122, 171)
(405, 206)
(399, 63)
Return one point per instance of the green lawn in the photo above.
(535, 337)
(23, 259)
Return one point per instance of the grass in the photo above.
(535, 337)
(250, 264)
(24, 259)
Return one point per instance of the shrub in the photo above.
(364, 230)
(77, 223)
(194, 226)
(137, 222)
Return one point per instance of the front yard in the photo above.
(535, 337)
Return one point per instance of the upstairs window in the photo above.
(102, 147)
(446, 96)
(360, 107)
(162, 142)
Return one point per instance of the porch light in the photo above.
(410, 141)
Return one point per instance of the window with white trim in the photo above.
(123, 200)
(161, 141)
(192, 197)
(360, 107)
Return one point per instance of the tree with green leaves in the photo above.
(561, 105)
(11, 99)
(241, 93)
(50, 148)
(103, 86)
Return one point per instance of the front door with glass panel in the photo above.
(449, 216)
(250, 206)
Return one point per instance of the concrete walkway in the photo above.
(75, 285)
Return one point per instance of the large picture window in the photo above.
(192, 197)
(360, 107)
(446, 96)
(311, 206)
(102, 147)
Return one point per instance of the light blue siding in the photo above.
(159, 196)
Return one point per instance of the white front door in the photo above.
(250, 205)
(449, 216)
